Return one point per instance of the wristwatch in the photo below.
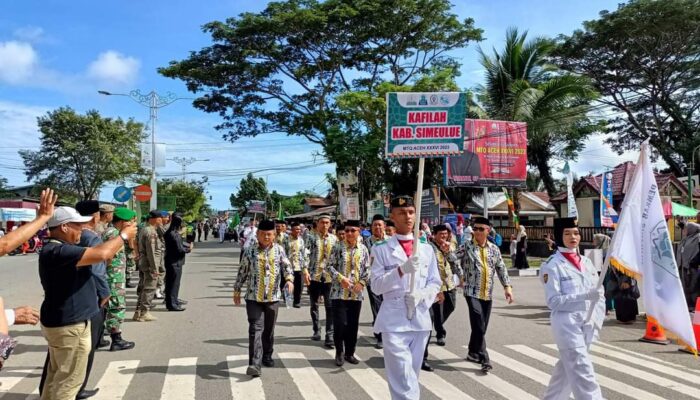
(123, 236)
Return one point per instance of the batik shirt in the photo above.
(448, 265)
(280, 239)
(261, 271)
(480, 264)
(296, 252)
(371, 241)
(319, 252)
(350, 262)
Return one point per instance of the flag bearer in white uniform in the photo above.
(404, 339)
(570, 282)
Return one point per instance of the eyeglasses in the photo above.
(479, 228)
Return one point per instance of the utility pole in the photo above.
(184, 162)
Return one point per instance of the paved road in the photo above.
(202, 353)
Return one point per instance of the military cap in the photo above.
(402, 201)
(106, 208)
(124, 214)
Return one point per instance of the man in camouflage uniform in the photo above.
(160, 287)
(132, 253)
(106, 215)
(116, 277)
(150, 258)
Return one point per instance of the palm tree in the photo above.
(521, 85)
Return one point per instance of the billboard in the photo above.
(495, 154)
(348, 197)
(425, 124)
(430, 206)
(255, 207)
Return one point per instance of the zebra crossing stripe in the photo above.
(368, 379)
(640, 374)
(674, 372)
(307, 379)
(604, 381)
(521, 368)
(243, 386)
(491, 381)
(8, 382)
(646, 357)
(33, 395)
(180, 379)
(116, 378)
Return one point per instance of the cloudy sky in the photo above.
(56, 53)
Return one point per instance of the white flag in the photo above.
(642, 248)
(570, 199)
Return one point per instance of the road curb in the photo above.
(523, 272)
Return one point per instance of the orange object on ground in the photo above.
(655, 333)
(696, 328)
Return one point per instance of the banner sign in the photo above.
(495, 154)
(425, 124)
(256, 207)
(348, 197)
(570, 199)
(430, 206)
(17, 214)
(608, 216)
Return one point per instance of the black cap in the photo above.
(87, 207)
(440, 228)
(294, 223)
(559, 225)
(481, 220)
(390, 224)
(280, 222)
(352, 222)
(402, 201)
(155, 214)
(378, 217)
(266, 225)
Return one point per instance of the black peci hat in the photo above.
(402, 201)
(440, 228)
(378, 217)
(266, 225)
(353, 223)
(87, 207)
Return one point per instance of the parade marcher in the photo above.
(222, 231)
(375, 300)
(481, 262)
(349, 269)
(390, 229)
(280, 232)
(296, 252)
(688, 250)
(160, 285)
(200, 228)
(571, 289)
(206, 228)
(393, 262)
(261, 270)
(116, 277)
(448, 265)
(150, 259)
(340, 231)
(174, 259)
(106, 215)
(319, 245)
(69, 300)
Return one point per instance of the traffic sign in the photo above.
(122, 194)
(142, 193)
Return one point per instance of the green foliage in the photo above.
(521, 85)
(251, 188)
(4, 193)
(80, 153)
(644, 58)
(191, 200)
(291, 205)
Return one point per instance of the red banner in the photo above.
(495, 154)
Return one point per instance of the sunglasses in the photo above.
(479, 228)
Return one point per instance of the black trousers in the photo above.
(173, 275)
(346, 321)
(375, 301)
(316, 290)
(443, 311)
(261, 330)
(479, 314)
(199, 235)
(97, 329)
(206, 235)
(297, 287)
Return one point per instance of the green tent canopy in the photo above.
(679, 210)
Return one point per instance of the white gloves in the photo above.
(411, 265)
(412, 300)
(592, 295)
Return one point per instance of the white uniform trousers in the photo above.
(403, 356)
(573, 372)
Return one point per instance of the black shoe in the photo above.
(131, 285)
(473, 358)
(268, 362)
(181, 302)
(440, 341)
(486, 367)
(316, 336)
(253, 371)
(120, 344)
(352, 360)
(329, 344)
(379, 345)
(103, 343)
(177, 309)
(339, 359)
(426, 367)
(86, 394)
(296, 305)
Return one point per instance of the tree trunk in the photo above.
(546, 175)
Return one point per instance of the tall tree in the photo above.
(251, 188)
(4, 193)
(644, 58)
(189, 195)
(522, 86)
(80, 153)
(279, 70)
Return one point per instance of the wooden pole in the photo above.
(416, 226)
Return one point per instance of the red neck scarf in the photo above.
(407, 246)
(574, 259)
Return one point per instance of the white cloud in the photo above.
(18, 61)
(29, 34)
(112, 67)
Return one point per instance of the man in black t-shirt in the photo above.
(69, 299)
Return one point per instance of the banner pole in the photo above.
(416, 225)
(486, 203)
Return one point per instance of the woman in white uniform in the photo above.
(570, 281)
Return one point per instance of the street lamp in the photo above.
(153, 101)
(184, 162)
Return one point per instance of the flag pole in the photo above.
(416, 225)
